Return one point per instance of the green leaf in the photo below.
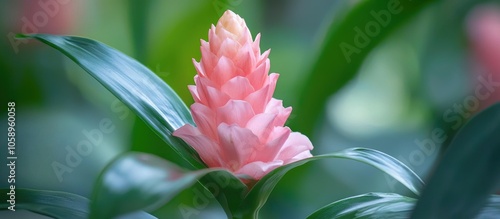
(227, 189)
(50, 203)
(56, 204)
(135, 85)
(492, 209)
(258, 195)
(333, 67)
(468, 172)
(140, 181)
(386, 205)
(371, 205)
(385, 163)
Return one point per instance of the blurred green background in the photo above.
(414, 72)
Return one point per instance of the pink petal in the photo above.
(208, 59)
(256, 45)
(259, 169)
(206, 148)
(216, 98)
(222, 33)
(302, 155)
(273, 79)
(262, 125)
(295, 145)
(260, 98)
(245, 35)
(259, 75)
(205, 45)
(263, 58)
(229, 49)
(214, 40)
(257, 99)
(223, 71)
(275, 106)
(204, 118)
(235, 112)
(199, 68)
(194, 93)
(276, 139)
(237, 143)
(237, 88)
(245, 59)
(209, 95)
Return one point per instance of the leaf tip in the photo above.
(23, 36)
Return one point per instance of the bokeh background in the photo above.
(417, 77)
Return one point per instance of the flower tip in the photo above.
(233, 23)
(229, 13)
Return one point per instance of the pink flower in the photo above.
(484, 34)
(240, 126)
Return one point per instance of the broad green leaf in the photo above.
(57, 204)
(492, 209)
(140, 181)
(337, 63)
(258, 195)
(468, 172)
(135, 85)
(385, 163)
(367, 206)
(386, 205)
(50, 203)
